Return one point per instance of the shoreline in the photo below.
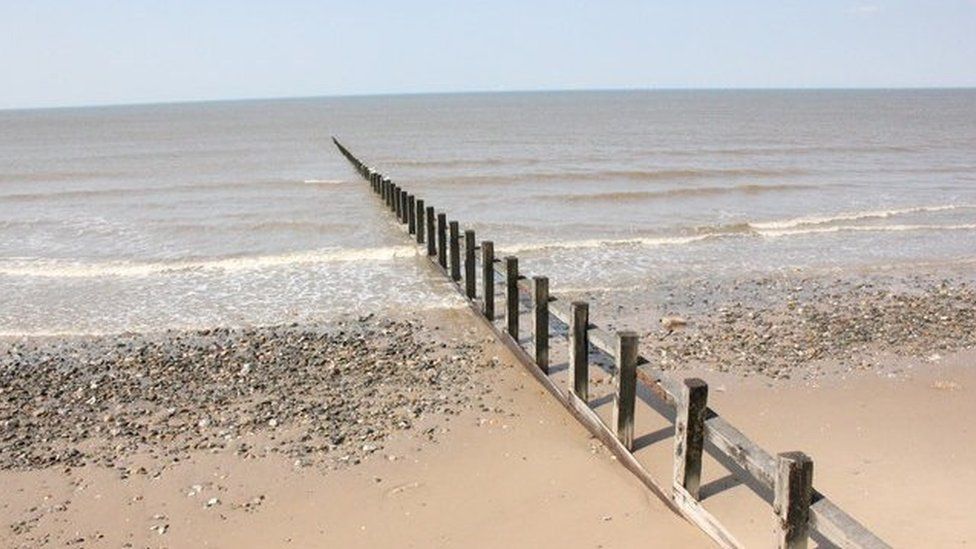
(343, 403)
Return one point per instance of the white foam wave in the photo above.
(866, 228)
(849, 216)
(324, 181)
(62, 269)
(602, 243)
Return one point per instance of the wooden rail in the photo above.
(799, 511)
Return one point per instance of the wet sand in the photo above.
(422, 431)
(511, 469)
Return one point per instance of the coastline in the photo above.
(196, 439)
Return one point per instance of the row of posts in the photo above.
(794, 474)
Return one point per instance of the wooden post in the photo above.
(579, 350)
(540, 308)
(431, 237)
(442, 240)
(420, 221)
(470, 287)
(395, 204)
(512, 296)
(386, 191)
(626, 393)
(411, 214)
(403, 207)
(791, 499)
(689, 435)
(488, 278)
(455, 251)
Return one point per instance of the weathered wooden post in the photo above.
(386, 191)
(403, 207)
(420, 221)
(488, 278)
(540, 308)
(512, 296)
(455, 251)
(470, 286)
(399, 203)
(431, 237)
(626, 393)
(395, 204)
(411, 214)
(442, 240)
(792, 493)
(579, 350)
(689, 435)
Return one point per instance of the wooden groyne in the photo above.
(799, 511)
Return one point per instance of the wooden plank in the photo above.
(689, 436)
(431, 239)
(470, 283)
(700, 517)
(540, 332)
(488, 278)
(420, 221)
(579, 350)
(411, 214)
(791, 499)
(840, 528)
(512, 296)
(625, 396)
(442, 240)
(455, 244)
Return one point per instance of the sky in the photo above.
(90, 52)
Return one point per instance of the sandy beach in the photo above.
(483, 451)
(423, 432)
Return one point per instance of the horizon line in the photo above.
(174, 102)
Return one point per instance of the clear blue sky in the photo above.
(79, 52)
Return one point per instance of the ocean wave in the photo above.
(64, 269)
(865, 228)
(621, 196)
(324, 181)
(779, 229)
(850, 216)
(162, 189)
(616, 174)
(781, 150)
(649, 241)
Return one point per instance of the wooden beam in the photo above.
(420, 221)
(512, 296)
(488, 278)
(411, 214)
(455, 244)
(791, 499)
(579, 350)
(625, 396)
(431, 239)
(442, 240)
(470, 284)
(540, 332)
(689, 435)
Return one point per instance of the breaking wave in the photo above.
(851, 216)
(63, 269)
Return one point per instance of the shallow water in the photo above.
(147, 217)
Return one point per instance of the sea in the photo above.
(243, 213)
